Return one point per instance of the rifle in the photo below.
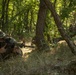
(23, 45)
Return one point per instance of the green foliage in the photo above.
(22, 16)
(65, 13)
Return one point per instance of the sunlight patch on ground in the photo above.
(75, 42)
(27, 49)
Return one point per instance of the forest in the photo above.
(48, 30)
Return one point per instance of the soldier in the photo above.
(9, 45)
(2, 42)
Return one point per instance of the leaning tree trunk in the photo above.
(40, 42)
(60, 27)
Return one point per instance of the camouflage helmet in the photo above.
(2, 34)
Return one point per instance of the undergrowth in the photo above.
(38, 62)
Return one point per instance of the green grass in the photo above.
(37, 63)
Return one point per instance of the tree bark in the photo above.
(60, 26)
(40, 41)
(4, 17)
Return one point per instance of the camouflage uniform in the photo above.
(9, 45)
(2, 35)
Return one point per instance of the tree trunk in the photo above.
(60, 26)
(4, 17)
(26, 21)
(40, 41)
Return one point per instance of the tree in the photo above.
(60, 26)
(4, 17)
(40, 41)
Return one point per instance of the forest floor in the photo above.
(53, 62)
